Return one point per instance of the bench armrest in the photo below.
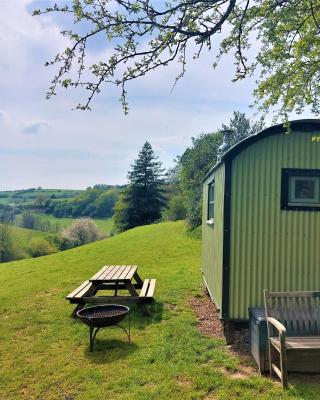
(278, 325)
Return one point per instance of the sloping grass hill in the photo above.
(44, 353)
(24, 236)
(22, 239)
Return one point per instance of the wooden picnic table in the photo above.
(114, 278)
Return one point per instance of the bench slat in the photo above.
(298, 342)
(132, 271)
(144, 288)
(108, 271)
(77, 290)
(100, 272)
(119, 272)
(124, 272)
(111, 274)
(84, 291)
(151, 288)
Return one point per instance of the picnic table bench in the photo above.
(114, 278)
(295, 316)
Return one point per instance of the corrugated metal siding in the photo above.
(271, 248)
(212, 237)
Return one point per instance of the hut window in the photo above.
(300, 189)
(210, 200)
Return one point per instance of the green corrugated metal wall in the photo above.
(270, 248)
(212, 237)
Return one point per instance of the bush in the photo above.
(9, 250)
(81, 232)
(41, 247)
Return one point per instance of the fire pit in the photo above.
(102, 316)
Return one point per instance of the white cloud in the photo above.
(35, 127)
(78, 149)
(3, 118)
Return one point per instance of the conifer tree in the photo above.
(141, 202)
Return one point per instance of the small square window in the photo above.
(300, 189)
(303, 190)
(211, 200)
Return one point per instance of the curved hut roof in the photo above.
(302, 124)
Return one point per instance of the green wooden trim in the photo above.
(286, 173)
(226, 241)
(208, 289)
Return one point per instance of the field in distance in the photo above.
(28, 196)
(104, 224)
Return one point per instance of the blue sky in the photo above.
(46, 143)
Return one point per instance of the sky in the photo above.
(49, 144)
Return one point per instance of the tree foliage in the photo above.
(82, 231)
(198, 159)
(141, 202)
(241, 126)
(105, 203)
(7, 252)
(194, 163)
(278, 38)
(96, 202)
(29, 220)
(8, 214)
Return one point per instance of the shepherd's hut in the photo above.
(261, 225)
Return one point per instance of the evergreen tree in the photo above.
(242, 126)
(141, 202)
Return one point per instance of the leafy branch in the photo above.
(278, 38)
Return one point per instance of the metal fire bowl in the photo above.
(102, 316)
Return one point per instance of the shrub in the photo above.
(81, 232)
(41, 247)
(9, 249)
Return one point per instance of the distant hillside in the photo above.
(28, 196)
(94, 202)
(23, 238)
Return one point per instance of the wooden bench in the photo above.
(147, 290)
(76, 297)
(86, 293)
(295, 317)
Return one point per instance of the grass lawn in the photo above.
(44, 353)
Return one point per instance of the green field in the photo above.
(26, 235)
(105, 224)
(22, 237)
(44, 353)
(28, 196)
